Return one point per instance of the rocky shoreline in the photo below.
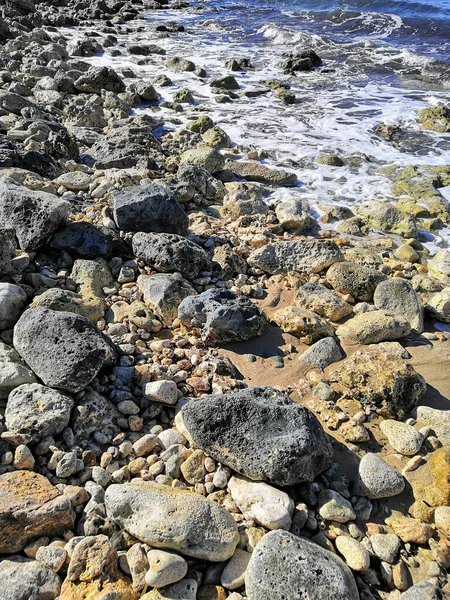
(206, 394)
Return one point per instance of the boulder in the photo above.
(438, 306)
(302, 323)
(357, 280)
(13, 103)
(323, 301)
(439, 266)
(164, 293)
(63, 349)
(373, 327)
(244, 199)
(87, 240)
(125, 147)
(66, 301)
(222, 316)
(98, 79)
(30, 507)
(37, 411)
(260, 433)
(380, 379)
(33, 215)
(12, 303)
(398, 297)
(308, 570)
(25, 579)
(179, 520)
(294, 215)
(262, 503)
(305, 256)
(384, 217)
(206, 157)
(169, 253)
(149, 208)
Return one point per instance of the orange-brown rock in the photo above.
(120, 589)
(431, 482)
(30, 506)
(410, 530)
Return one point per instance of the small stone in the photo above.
(165, 392)
(356, 556)
(402, 437)
(12, 302)
(165, 568)
(233, 576)
(386, 546)
(182, 590)
(442, 520)
(333, 507)
(52, 557)
(377, 479)
(145, 444)
(193, 468)
(23, 458)
(410, 530)
(67, 465)
(261, 502)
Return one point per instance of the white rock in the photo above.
(12, 303)
(165, 392)
(402, 437)
(334, 507)
(267, 505)
(165, 568)
(233, 576)
(168, 437)
(354, 553)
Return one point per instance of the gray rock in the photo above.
(386, 546)
(294, 214)
(182, 590)
(305, 256)
(63, 349)
(222, 316)
(260, 433)
(180, 64)
(24, 579)
(164, 293)
(180, 520)
(323, 353)
(33, 215)
(88, 240)
(205, 157)
(333, 507)
(12, 303)
(357, 280)
(145, 90)
(425, 590)
(149, 208)
(438, 420)
(256, 171)
(93, 413)
(404, 438)
(13, 103)
(126, 147)
(12, 371)
(397, 296)
(168, 253)
(321, 300)
(374, 326)
(308, 571)
(98, 79)
(377, 479)
(37, 411)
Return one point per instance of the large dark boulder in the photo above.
(88, 240)
(126, 147)
(297, 568)
(98, 79)
(33, 215)
(260, 433)
(222, 316)
(63, 349)
(170, 253)
(149, 208)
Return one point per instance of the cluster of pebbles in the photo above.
(136, 458)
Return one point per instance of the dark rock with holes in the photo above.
(149, 208)
(41, 163)
(260, 433)
(126, 147)
(297, 568)
(88, 240)
(304, 60)
(33, 215)
(63, 349)
(98, 79)
(37, 411)
(13, 103)
(222, 316)
(170, 253)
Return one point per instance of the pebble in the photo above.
(385, 546)
(333, 507)
(354, 553)
(233, 576)
(165, 392)
(377, 479)
(23, 458)
(165, 568)
(144, 445)
(168, 437)
(402, 437)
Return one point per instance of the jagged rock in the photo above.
(64, 300)
(33, 215)
(63, 349)
(228, 427)
(164, 293)
(256, 171)
(302, 323)
(98, 79)
(88, 240)
(397, 296)
(304, 256)
(168, 253)
(12, 303)
(222, 316)
(28, 579)
(323, 301)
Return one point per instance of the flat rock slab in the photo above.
(255, 171)
(63, 349)
(180, 520)
(30, 506)
(33, 215)
(297, 568)
(222, 316)
(260, 433)
(304, 256)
